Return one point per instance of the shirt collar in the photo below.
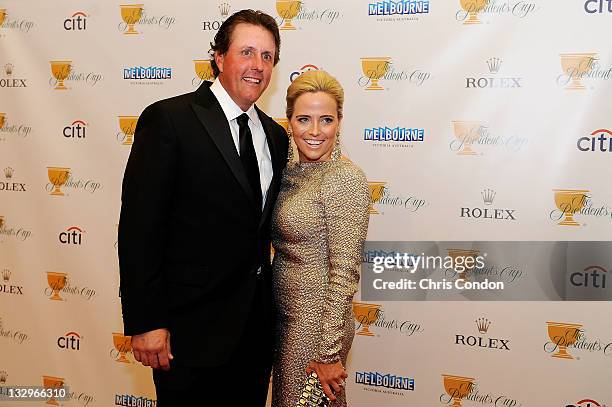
(229, 107)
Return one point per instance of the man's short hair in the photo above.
(224, 35)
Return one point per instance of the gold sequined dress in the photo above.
(319, 226)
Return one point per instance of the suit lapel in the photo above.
(276, 164)
(209, 112)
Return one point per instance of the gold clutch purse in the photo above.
(312, 393)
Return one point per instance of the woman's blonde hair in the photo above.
(314, 81)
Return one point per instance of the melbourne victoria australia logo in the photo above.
(393, 137)
(464, 391)
(293, 13)
(382, 196)
(470, 137)
(371, 317)
(582, 69)
(136, 19)
(76, 22)
(8, 285)
(488, 210)
(147, 75)
(599, 141)
(130, 400)
(482, 339)
(9, 22)
(570, 341)
(14, 130)
(401, 10)
(474, 12)
(122, 346)
(65, 75)
(493, 79)
(214, 25)
(9, 231)
(61, 288)
(12, 334)
(386, 383)
(70, 341)
(62, 180)
(377, 69)
(11, 183)
(127, 128)
(11, 79)
(571, 203)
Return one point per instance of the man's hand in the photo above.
(330, 375)
(153, 349)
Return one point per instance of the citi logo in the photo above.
(305, 68)
(600, 140)
(592, 276)
(76, 22)
(597, 6)
(586, 403)
(72, 235)
(482, 324)
(70, 341)
(76, 129)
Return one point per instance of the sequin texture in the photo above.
(319, 226)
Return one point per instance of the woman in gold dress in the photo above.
(319, 226)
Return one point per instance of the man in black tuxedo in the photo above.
(198, 193)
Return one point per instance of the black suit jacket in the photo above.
(190, 239)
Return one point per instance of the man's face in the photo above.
(246, 68)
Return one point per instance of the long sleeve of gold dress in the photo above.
(319, 227)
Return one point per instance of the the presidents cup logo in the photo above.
(368, 316)
(575, 67)
(562, 335)
(122, 346)
(9, 129)
(365, 314)
(53, 382)
(130, 14)
(288, 10)
(382, 195)
(377, 191)
(60, 286)
(569, 201)
(18, 233)
(60, 71)
(373, 69)
(127, 128)
(15, 335)
(16, 24)
(57, 177)
(203, 70)
(472, 10)
(457, 388)
(468, 134)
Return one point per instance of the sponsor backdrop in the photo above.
(473, 121)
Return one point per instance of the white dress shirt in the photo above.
(262, 151)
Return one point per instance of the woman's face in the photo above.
(314, 125)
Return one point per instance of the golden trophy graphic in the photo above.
(283, 122)
(377, 191)
(127, 124)
(375, 68)
(366, 314)
(131, 13)
(60, 71)
(2, 119)
(288, 9)
(576, 66)
(57, 281)
(570, 201)
(455, 254)
(563, 335)
(58, 177)
(1, 221)
(51, 382)
(466, 132)
(203, 69)
(123, 345)
(2, 15)
(458, 387)
(473, 7)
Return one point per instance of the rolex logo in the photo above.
(6, 274)
(224, 8)
(8, 68)
(8, 173)
(3, 376)
(494, 64)
(483, 325)
(487, 196)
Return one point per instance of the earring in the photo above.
(336, 151)
(290, 151)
